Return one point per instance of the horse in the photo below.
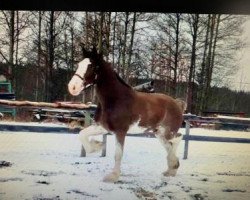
(120, 107)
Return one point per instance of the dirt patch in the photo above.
(2, 180)
(198, 197)
(81, 193)
(41, 197)
(162, 184)
(186, 188)
(232, 174)
(81, 163)
(124, 182)
(204, 179)
(144, 194)
(43, 182)
(4, 163)
(233, 190)
(41, 173)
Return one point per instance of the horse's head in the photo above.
(86, 72)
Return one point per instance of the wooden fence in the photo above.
(187, 137)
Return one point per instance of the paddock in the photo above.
(48, 166)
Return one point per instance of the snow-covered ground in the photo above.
(48, 166)
(59, 124)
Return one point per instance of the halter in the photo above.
(79, 76)
(82, 78)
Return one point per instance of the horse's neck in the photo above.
(109, 86)
(106, 75)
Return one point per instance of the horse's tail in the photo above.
(182, 104)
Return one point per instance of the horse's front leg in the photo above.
(115, 174)
(92, 145)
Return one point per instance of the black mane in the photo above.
(122, 81)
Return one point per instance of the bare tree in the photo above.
(172, 44)
(222, 40)
(8, 18)
(38, 52)
(193, 22)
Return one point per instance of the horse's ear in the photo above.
(85, 53)
(94, 51)
(98, 54)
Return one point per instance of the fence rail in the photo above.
(186, 137)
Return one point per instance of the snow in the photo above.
(34, 124)
(49, 166)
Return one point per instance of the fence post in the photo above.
(104, 145)
(186, 140)
(83, 152)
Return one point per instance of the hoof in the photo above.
(170, 172)
(112, 177)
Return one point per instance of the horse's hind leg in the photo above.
(170, 142)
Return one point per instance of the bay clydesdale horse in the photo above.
(120, 107)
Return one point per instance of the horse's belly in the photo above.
(138, 128)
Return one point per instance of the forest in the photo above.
(189, 56)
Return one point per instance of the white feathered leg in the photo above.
(171, 146)
(92, 145)
(173, 160)
(115, 174)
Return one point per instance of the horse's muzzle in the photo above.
(75, 89)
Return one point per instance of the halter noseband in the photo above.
(82, 78)
(79, 76)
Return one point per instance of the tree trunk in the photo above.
(176, 54)
(107, 36)
(17, 36)
(86, 29)
(51, 57)
(211, 58)
(95, 37)
(114, 39)
(38, 53)
(100, 34)
(125, 44)
(17, 33)
(12, 41)
(208, 66)
(201, 79)
(130, 52)
(72, 51)
(214, 45)
(195, 21)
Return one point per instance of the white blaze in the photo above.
(75, 85)
(82, 67)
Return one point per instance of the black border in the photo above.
(160, 6)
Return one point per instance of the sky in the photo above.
(242, 77)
